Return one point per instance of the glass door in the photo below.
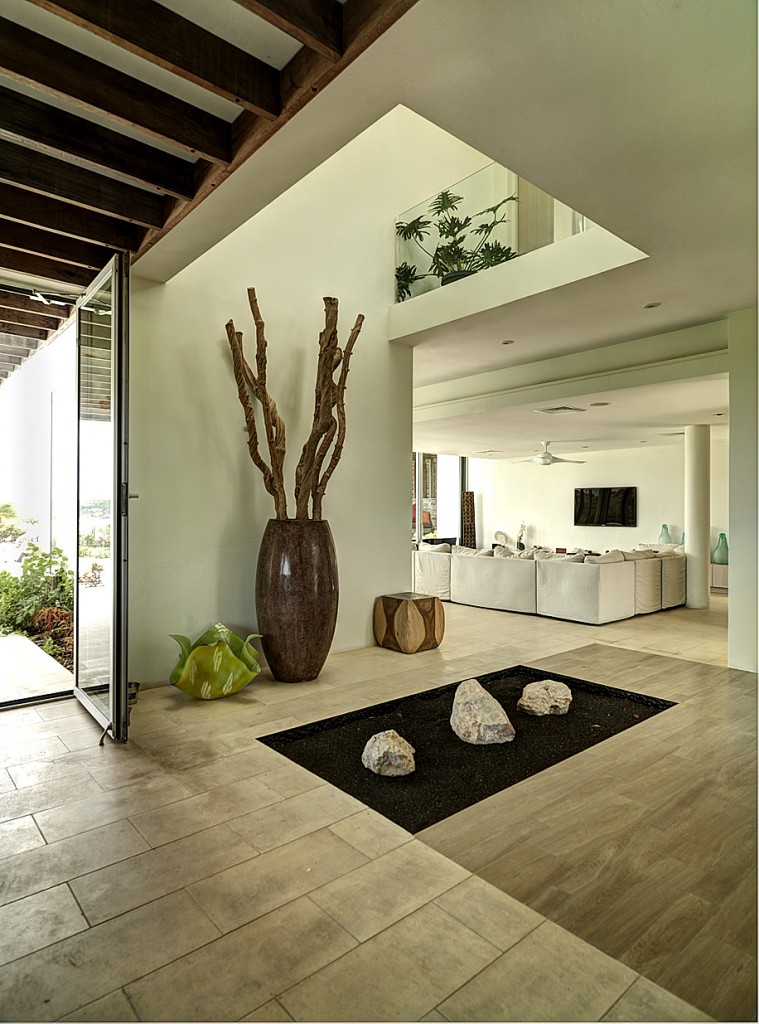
(100, 651)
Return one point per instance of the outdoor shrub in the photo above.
(9, 529)
(46, 582)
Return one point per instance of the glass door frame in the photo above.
(116, 722)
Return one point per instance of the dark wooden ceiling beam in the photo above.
(31, 208)
(52, 245)
(303, 78)
(38, 172)
(17, 331)
(23, 319)
(318, 24)
(28, 57)
(51, 270)
(24, 303)
(162, 37)
(60, 134)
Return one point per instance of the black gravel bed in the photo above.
(451, 774)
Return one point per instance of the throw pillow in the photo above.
(526, 554)
(443, 548)
(610, 556)
(460, 549)
(579, 557)
(635, 556)
(502, 552)
(484, 552)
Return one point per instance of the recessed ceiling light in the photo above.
(642, 442)
(559, 409)
(719, 414)
(509, 341)
(585, 446)
(600, 403)
(652, 305)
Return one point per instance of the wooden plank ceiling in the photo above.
(74, 187)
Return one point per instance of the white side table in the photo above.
(719, 577)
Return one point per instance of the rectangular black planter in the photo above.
(451, 774)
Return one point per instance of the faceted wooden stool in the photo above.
(409, 622)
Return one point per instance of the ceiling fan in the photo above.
(546, 458)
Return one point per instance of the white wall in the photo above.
(196, 529)
(37, 406)
(742, 536)
(543, 496)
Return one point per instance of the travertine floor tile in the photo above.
(386, 889)
(17, 835)
(225, 770)
(35, 773)
(46, 866)
(272, 1011)
(290, 779)
(549, 976)
(32, 799)
(240, 894)
(120, 887)
(113, 1007)
(56, 980)
(195, 813)
(82, 815)
(290, 819)
(217, 983)
(7, 784)
(489, 912)
(371, 833)
(400, 974)
(645, 1001)
(38, 921)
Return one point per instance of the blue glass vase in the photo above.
(720, 553)
(664, 537)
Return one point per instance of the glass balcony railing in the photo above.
(487, 219)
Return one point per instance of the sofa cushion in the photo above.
(590, 593)
(503, 552)
(673, 576)
(507, 584)
(610, 556)
(432, 573)
(443, 549)
(635, 556)
(526, 554)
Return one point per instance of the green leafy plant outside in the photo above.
(463, 245)
(218, 664)
(40, 603)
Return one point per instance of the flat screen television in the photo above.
(606, 506)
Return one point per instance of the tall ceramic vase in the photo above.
(296, 597)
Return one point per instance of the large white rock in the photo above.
(387, 753)
(546, 697)
(479, 718)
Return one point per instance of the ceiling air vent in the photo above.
(557, 409)
(674, 433)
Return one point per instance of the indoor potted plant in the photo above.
(463, 247)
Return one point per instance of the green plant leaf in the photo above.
(444, 201)
(415, 229)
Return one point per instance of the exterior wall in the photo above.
(38, 453)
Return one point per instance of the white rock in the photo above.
(546, 697)
(479, 718)
(387, 753)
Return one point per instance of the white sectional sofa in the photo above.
(616, 586)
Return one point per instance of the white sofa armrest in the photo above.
(586, 591)
(673, 578)
(432, 574)
(507, 584)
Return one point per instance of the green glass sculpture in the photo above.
(664, 537)
(720, 553)
(218, 664)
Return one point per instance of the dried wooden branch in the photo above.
(275, 428)
(339, 400)
(327, 428)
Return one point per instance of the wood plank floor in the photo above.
(644, 846)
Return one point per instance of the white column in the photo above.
(742, 533)
(697, 504)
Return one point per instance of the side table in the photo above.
(409, 623)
